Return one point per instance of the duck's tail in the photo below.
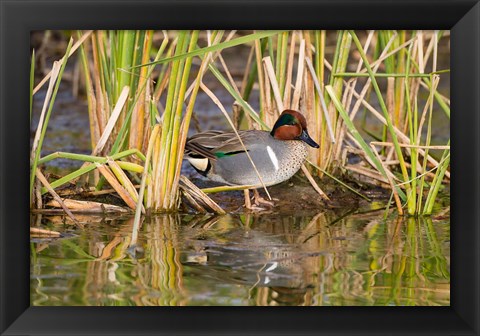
(199, 156)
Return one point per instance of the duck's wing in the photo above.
(202, 145)
(232, 144)
(214, 144)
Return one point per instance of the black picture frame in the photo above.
(19, 17)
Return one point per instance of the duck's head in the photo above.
(291, 125)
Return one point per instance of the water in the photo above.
(319, 259)
(243, 260)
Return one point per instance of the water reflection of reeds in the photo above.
(247, 260)
(162, 273)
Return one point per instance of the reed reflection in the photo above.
(248, 259)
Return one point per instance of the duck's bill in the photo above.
(306, 138)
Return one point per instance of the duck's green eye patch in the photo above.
(223, 154)
(287, 119)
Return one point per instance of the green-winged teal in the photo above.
(277, 155)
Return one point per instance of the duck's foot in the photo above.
(259, 200)
(259, 203)
(248, 202)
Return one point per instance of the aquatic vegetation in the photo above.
(369, 99)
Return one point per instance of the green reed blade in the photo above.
(246, 107)
(391, 130)
(47, 117)
(217, 47)
(351, 127)
(437, 182)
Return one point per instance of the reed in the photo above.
(167, 150)
(138, 81)
(54, 84)
(407, 130)
(32, 81)
(162, 195)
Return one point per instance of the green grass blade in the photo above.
(126, 59)
(47, 117)
(89, 158)
(351, 127)
(246, 107)
(412, 120)
(217, 47)
(69, 177)
(391, 130)
(122, 134)
(437, 182)
(88, 168)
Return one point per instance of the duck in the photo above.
(277, 154)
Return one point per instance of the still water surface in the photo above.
(238, 260)
(324, 259)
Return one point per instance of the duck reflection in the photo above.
(247, 259)
(255, 251)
